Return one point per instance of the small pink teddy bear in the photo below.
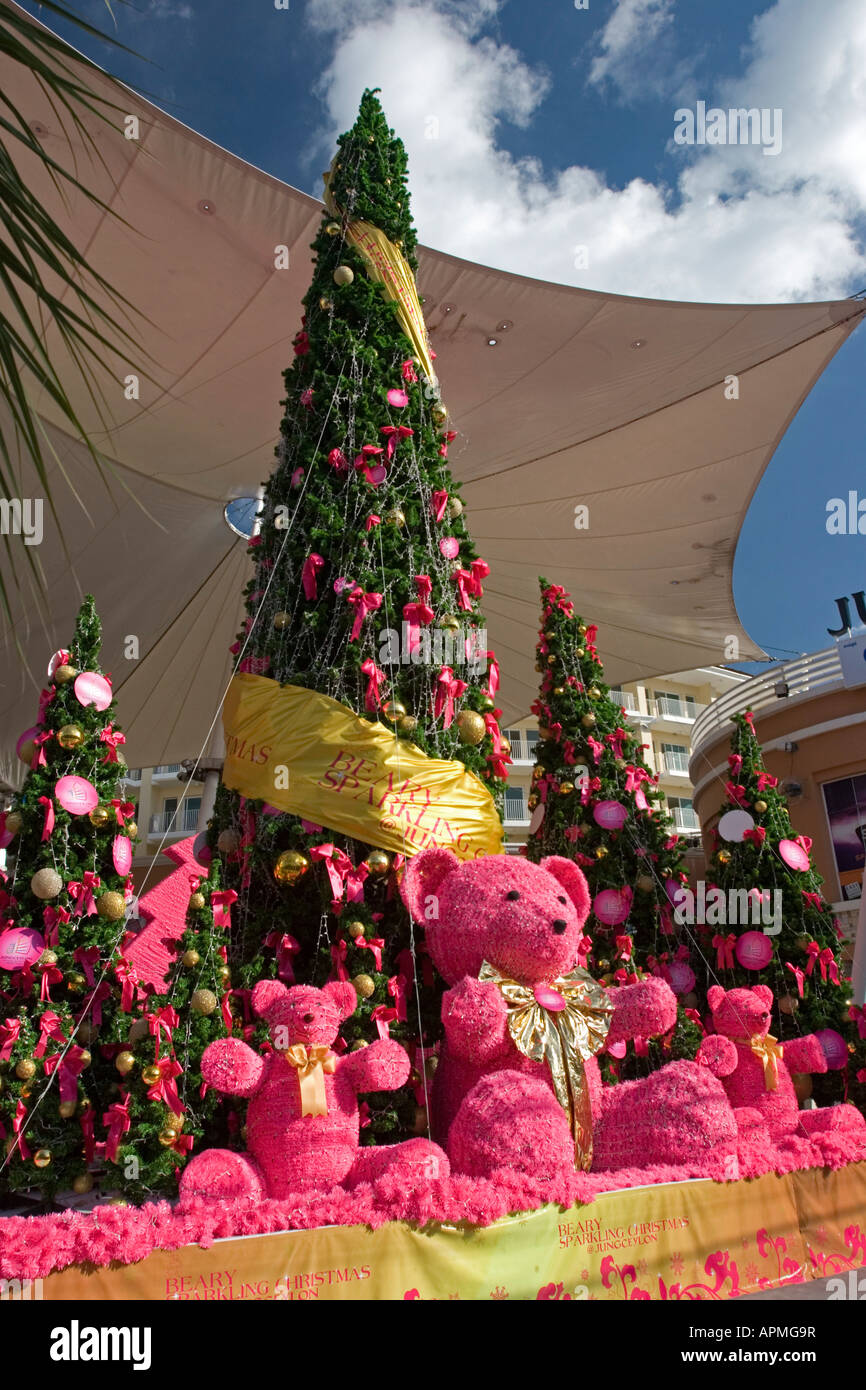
(756, 1073)
(519, 927)
(303, 1120)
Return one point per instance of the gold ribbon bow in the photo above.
(312, 1063)
(769, 1052)
(564, 1039)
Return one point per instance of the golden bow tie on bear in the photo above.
(769, 1053)
(312, 1063)
(563, 1023)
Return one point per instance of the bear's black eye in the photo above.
(512, 896)
(562, 900)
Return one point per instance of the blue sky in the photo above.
(554, 129)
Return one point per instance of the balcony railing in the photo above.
(686, 822)
(809, 675)
(179, 822)
(666, 708)
(674, 764)
(522, 751)
(166, 770)
(626, 699)
(516, 811)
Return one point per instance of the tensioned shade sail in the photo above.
(565, 410)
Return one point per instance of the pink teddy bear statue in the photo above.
(756, 1073)
(303, 1120)
(519, 925)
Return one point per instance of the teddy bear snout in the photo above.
(308, 1018)
(559, 925)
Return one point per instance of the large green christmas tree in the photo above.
(74, 1044)
(595, 800)
(767, 922)
(365, 589)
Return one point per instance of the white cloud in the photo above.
(168, 9)
(734, 226)
(637, 35)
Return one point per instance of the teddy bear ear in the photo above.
(764, 993)
(267, 994)
(425, 874)
(569, 875)
(342, 995)
(715, 995)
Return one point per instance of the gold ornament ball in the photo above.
(42, 1158)
(580, 652)
(505, 746)
(86, 1032)
(532, 802)
(395, 518)
(70, 736)
(84, 1106)
(47, 958)
(82, 1183)
(75, 982)
(588, 720)
(85, 1058)
(228, 841)
(538, 666)
(789, 1004)
(281, 621)
(356, 1046)
(601, 852)
(25, 1069)
(393, 710)
(581, 627)
(225, 974)
(364, 985)
(46, 883)
(64, 674)
(110, 906)
(26, 751)
(150, 1075)
(440, 413)
(724, 857)
(455, 507)
(167, 1137)
(645, 883)
(191, 958)
(487, 704)
(13, 822)
(550, 634)
(344, 275)
(291, 866)
(67, 1109)
(470, 727)
(594, 693)
(325, 304)
(407, 725)
(378, 862)
(552, 659)
(124, 1062)
(197, 902)
(100, 817)
(203, 1001)
(332, 228)
(356, 930)
(802, 943)
(760, 807)
(604, 965)
(566, 788)
(450, 623)
(559, 690)
(132, 829)
(116, 1202)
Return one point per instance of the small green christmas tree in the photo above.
(72, 1097)
(762, 875)
(594, 800)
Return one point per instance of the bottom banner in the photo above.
(691, 1240)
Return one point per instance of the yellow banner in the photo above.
(672, 1242)
(306, 753)
(386, 263)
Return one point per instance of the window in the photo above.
(676, 757)
(515, 804)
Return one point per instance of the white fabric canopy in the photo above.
(564, 410)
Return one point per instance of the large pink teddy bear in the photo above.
(756, 1074)
(303, 1120)
(495, 1108)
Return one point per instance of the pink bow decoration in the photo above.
(338, 958)
(342, 873)
(375, 678)
(813, 899)
(382, 1016)
(128, 979)
(765, 780)
(165, 1089)
(623, 947)
(285, 947)
(492, 675)
(18, 1126)
(804, 841)
(337, 459)
(48, 817)
(9, 1031)
(69, 1069)
(827, 962)
(45, 699)
(750, 719)
(372, 520)
(798, 976)
(855, 1013)
(50, 1027)
(53, 917)
(813, 951)
(407, 371)
(447, 438)
(616, 741)
(478, 570)
(757, 835)
(596, 747)
(84, 903)
(398, 989)
(735, 763)
(374, 473)
(221, 902)
(307, 397)
(309, 575)
(461, 578)
(635, 776)
(375, 944)
(492, 726)
(117, 1122)
(38, 759)
(87, 958)
(415, 614)
(394, 434)
(123, 810)
(438, 503)
(255, 665)
(736, 793)
(724, 946)
(448, 688)
(112, 741)
(50, 976)
(362, 604)
(96, 1001)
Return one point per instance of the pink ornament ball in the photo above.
(610, 815)
(612, 906)
(450, 547)
(833, 1047)
(21, 946)
(754, 950)
(92, 689)
(681, 977)
(76, 795)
